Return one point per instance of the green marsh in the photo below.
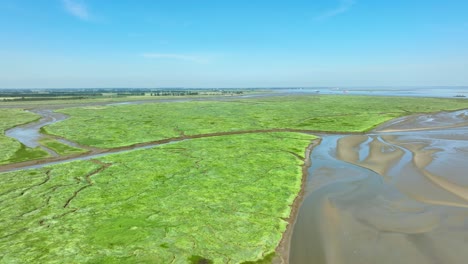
(221, 198)
(123, 125)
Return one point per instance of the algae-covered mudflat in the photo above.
(113, 126)
(221, 191)
(223, 198)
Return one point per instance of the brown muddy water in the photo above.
(396, 195)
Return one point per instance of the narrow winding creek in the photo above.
(396, 195)
(29, 134)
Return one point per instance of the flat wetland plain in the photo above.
(217, 184)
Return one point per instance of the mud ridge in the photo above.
(88, 180)
(53, 160)
(282, 250)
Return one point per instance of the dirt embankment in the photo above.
(282, 251)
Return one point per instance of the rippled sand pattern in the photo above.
(396, 195)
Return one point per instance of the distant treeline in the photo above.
(73, 94)
(43, 98)
(130, 94)
(186, 92)
(56, 94)
(173, 93)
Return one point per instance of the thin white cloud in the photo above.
(175, 56)
(77, 9)
(343, 7)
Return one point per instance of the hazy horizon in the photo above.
(211, 44)
(266, 87)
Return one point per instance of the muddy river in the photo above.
(396, 195)
(29, 134)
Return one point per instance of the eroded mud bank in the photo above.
(396, 195)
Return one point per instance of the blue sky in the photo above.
(255, 43)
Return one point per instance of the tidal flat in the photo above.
(398, 194)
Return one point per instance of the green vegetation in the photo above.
(60, 148)
(24, 154)
(123, 125)
(215, 199)
(28, 97)
(10, 149)
(70, 93)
